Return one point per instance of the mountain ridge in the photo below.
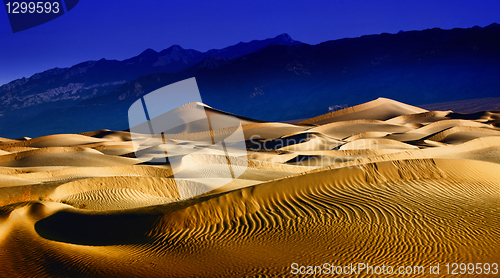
(99, 77)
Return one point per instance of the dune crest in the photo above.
(378, 109)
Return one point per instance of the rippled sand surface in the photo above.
(379, 183)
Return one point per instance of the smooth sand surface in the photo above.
(379, 183)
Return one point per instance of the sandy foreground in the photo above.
(381, 183)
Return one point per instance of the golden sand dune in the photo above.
(8, 171)
(369, 134)
(432, 129)
(345, 129)
(462, 134)
(381, 183)
(110, 171)
(483, 149)
(8, 180)
(420, 118)
(446, 124)
(7, 140)
(270, 130)
(376, 143)
(303, 141)
(55, 140)
(379, 109)
(60, 156)
(109, 135)
(16, 149)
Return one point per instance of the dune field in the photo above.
(381, 183)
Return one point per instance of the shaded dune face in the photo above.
(412, 190)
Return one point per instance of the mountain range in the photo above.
(64, 87)
(263, 79)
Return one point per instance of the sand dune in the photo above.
(55, 140)
(84, 157)
(7, 140)
(376, 143)
(8, 180)
(344, 129)
(379, 183)
(379, 109)
(420, 118)
(462, 134)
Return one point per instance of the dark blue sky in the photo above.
(119, 29)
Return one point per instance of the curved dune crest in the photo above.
(439, 126)
(36, 151)
(379, 109)
(78, 172)
(8, 180)
(111, 135)
(7, 140)
(61, 156)
(420, 118)
(376, 143)
(345, 129)
(161, 187)
(56, 140)
(369, 134)
(115, 199)
(270, 130)
(460, 134)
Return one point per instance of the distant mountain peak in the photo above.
(285, 38)
(148, 52)
(175, 47)
(243, 48)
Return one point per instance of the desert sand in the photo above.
(381, 183)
